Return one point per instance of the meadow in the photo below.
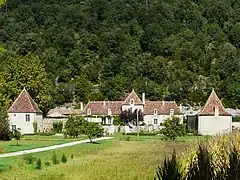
(122, 158)
(34, 141)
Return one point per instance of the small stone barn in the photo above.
(213, 119)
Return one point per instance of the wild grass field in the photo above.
(120, 158)
(34, 141)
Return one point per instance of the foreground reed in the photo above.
(215, 159)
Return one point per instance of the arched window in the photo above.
(171, 111)
(155, 112)
(109, 112)
(89, 112)
(131, 102)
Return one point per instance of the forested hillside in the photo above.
(100, 49)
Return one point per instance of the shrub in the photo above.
(46, 133)
(142, 133)
(55, 159)
(127, 138)
(173, 128)
(64, 158)
(74, 126)
(29, 159)
(39, 164)
(47, 163)
(92, 130)
(2, 150)
(72, 156)
(58, 126)
(35, 127)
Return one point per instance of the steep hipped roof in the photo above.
(24, 104)
(162, 107)
(133, 96)
(101, 107)
(212, 103)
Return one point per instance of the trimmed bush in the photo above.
(29, 159)
(47, 163)
(64, 158)
(39, 164)
(54, 159)
(142, 133)
(46, 133)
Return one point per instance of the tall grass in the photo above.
(215, 159)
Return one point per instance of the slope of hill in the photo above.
(99, 49)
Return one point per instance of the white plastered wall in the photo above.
(213, 125)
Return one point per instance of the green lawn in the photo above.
(109, 160)
(30, 142)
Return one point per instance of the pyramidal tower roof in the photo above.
(133, 96)
(24, 104)
(212, 103)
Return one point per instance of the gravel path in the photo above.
(18, 153)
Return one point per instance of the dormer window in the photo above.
(109, 112)
(131, 102)
(89, 112)
(171, 111)
(155, 112)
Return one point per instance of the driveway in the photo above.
(18, 153)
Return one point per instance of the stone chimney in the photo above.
(143, 98)
(181, 108)
(81, 106)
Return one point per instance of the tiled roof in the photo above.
(24, 104)
(133, 96)
(212, 103)
(62, 112)
(101, 107)
(162, 107)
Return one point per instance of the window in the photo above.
(155, 121)
(171, 111)
(131, 102)
(27, 117)
(109, 112)
(89, 112)
(14, 127)
(155, 112)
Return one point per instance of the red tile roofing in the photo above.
(24, 104)
(101, 107)
(162, 107)
(213, 102)
(133, 96)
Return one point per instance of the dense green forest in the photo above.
(100, 49)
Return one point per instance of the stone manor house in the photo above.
(212, 119)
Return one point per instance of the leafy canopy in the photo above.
(173, 128)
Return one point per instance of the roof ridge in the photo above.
(213, 96)
(29, 98)
(24, 103)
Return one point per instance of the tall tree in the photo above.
(4, 122)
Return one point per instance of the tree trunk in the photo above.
(90, 138)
